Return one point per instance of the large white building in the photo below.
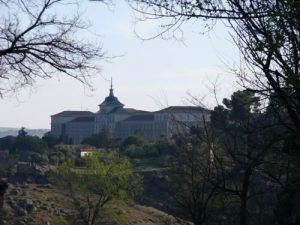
(74, 126)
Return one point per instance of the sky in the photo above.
(147, 75)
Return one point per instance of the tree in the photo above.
(8, 142)
(3, 188)
(253, 146)
(35, 42)
(164, 146)
(26, 142)
(241, 105)
(232, 167)
(22, 133)
(50, 139)
(100, 140)
(268, 36)
(266, 32)
(107, 177)
(135, 139)
(194, 175)
(37, 158)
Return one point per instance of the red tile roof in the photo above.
(184, 109)
(132, 110)
(74, 113)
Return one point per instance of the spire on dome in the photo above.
(111, 100)
(111, 91)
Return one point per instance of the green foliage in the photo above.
(23, 142)
(149, 150)
(165, 146)
(167, 220)
(61, 153)
(38, 158)
(8, 143)
(194, 173)
(7, 167)
(219, 117)
(107, 177)
(54, 159)
(267, 34)
(288, 211)
(100, 140)
(50, 139)
(153, 156)
(30, 143)
(144, 151)
(136, 140)
(133, 151)
(22, 133)
(253, 147)
(115, 213)
(241, 105)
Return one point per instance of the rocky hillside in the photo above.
(43, 205)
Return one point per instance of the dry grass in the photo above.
(52, 207)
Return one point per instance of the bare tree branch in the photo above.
(266, 32)
(36, 42)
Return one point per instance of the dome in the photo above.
(111, 100)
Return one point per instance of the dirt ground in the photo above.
(43, 205)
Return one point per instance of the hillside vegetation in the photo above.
(43, 204)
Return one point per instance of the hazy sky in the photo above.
(148, 74)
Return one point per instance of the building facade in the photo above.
(74, 126)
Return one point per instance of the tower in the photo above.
(110, 112)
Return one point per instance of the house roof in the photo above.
(184, 109)
(132, 110)
(111, 101)
(87, 148)
(74, 113)
(84, 119)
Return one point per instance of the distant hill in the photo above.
(6, 131)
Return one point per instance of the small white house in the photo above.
(84, 151)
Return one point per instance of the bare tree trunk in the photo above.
(244, 196)
(3, 188)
